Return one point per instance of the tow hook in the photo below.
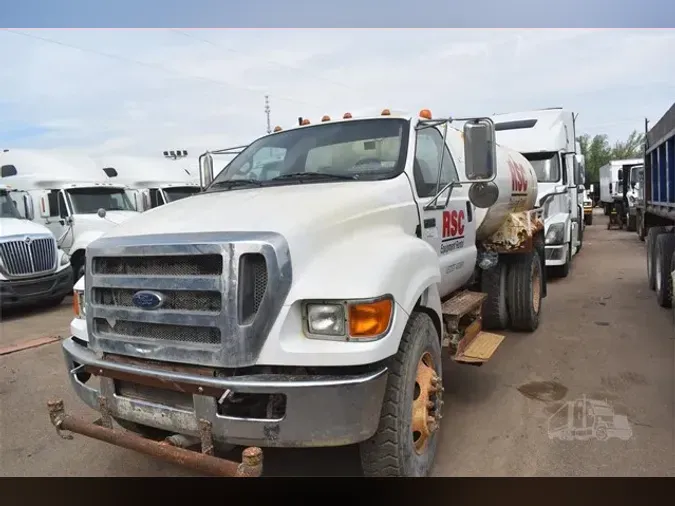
(171, 449)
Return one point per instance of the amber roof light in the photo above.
(325, 118)
(385, 112)
(425, 113)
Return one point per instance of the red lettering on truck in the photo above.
(518, 177)
(453, 224)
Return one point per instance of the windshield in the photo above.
(363, 149)
(546, 165)
(90, 200)
(177, 193)
(7, 207)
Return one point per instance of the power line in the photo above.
(153, 66)
(271, 62)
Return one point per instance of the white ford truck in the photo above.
(307, 301)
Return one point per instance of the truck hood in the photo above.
(14, 226)
(314, 214)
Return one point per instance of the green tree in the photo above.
(597, 151)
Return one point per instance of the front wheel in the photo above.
(524, 289)
(406, 439)
(588, 219)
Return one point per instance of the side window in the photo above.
(428, 160)
(155, 198)
(52, 196)
(63, 210)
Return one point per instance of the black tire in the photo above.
(524, 289)
(663, 255)
(495, 311)
(562, 271)
(672, 269)
(581, 238)
(143, 430)
(391, 451)
(632, 223)
(605, 209)
(588, 219)
(640, 225)
(653, 233)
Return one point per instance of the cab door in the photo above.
(450, 228)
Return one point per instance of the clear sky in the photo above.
(143, 91)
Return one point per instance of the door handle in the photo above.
(430, 223)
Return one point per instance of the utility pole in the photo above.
(267, 113)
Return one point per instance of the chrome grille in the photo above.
(204, 335)
(21, 258)
(184, 300)
(221, 294)
(169, 265)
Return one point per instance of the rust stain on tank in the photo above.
(517, 232)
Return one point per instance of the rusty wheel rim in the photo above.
(536, 289)
(425, 408)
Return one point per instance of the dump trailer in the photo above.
(309, 296)
(657, 213)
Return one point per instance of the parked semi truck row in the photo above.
(656, 208)
(315, 302)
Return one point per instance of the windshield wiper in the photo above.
(231, 183)
(316, 175)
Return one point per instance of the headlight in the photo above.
(64, 258)
(79, 307)
(555, 234)
(358, 320)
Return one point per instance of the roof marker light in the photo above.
(325, 118)
(305, 122)
(347, 115)
(385, 112)
(425, 113)
(278, 128)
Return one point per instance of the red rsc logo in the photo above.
(518, 179)
(453, 223)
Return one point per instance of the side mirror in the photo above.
(44, 207)
(205, 170)
(101, 213)
(28, 207)
(480, 150)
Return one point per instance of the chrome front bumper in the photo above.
(320, 410)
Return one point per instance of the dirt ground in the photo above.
(603, 339)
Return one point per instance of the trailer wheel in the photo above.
(588, 219)
(672, 281)
(640, 226)
(663, 255)
(406, 440)
(653, 233)
(493, 283)
(524, 288)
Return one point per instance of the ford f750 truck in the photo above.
(310, 294)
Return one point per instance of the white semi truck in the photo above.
(32, 268)
(547, 139)
(304, 299)
(611, 178)
(152, 181)
(70, 195)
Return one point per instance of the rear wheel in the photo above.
(640, 225)
(406, 440)
(588, 219)
(524, 289)
(493, 283)
(663, 255)
(653, 233)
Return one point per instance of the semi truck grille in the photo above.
(160, 331)
(181, 300)
(22, 258)
(221, 290)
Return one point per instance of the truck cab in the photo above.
(152, 181)
(32, 268)
(71, 196)
(547, 139)
(309, 295)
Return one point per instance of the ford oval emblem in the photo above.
(147, 299)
